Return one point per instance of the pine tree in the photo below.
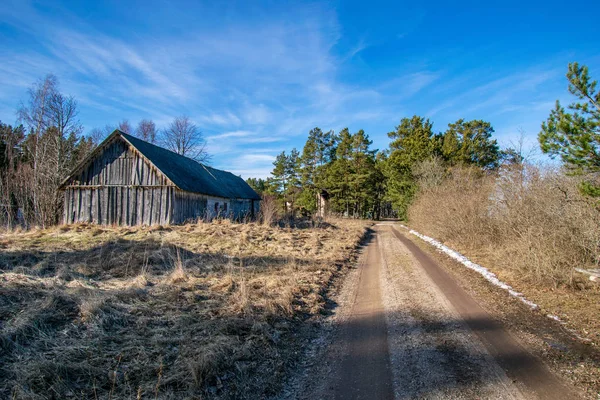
(412, 141)
(338, 177)
(317, 153)
(293, 164)
(363, 160)
(281, 174)
(575, 136)
(470, 143)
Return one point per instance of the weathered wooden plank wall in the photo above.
(119, 205)
(188, 206)
(119, 187)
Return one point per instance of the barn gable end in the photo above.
(118, 186)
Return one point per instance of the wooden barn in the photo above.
(127, 181)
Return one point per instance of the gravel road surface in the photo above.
(404, 329)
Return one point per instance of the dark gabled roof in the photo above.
(190, 175)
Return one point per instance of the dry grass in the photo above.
(202, 310)
(531, 226)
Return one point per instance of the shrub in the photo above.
(531, 220)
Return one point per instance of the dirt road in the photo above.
(405, 329)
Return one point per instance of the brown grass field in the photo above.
(195, 311)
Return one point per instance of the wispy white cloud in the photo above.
(226, 135)
(503, 93)
(254, 84)
(223, 119)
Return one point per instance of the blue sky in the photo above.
(256, 77)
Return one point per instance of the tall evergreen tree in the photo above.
(317, 153)
(293, 167)
(338, 177)
(280, 173)
(574, 135)
(363, 161)
(412, 141)
(471, 143)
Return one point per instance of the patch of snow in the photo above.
(487, 274)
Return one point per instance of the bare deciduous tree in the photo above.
(63, 117)
(51, 149)
(99, 134)
(146, 130)
(183, 137)
(125, 126)
(35, 115)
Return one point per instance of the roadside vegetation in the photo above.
(532, 224)
(194, 311)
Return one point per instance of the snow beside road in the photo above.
(487, 274)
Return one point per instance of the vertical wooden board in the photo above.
(124, 205)
(133, 171)
(93, 205)
(89, 205)
(136, 175)
(144, 206)
(73, 206)
(141, 206)
(72, 198)
(113, 193)
(127, 193)
(117, 190)
(170, 205)
(176, 206)
(148, 205)
(134, 213)
(165, 205)
(99, 205)
(83, 210)
(160, 206)
(66, 207)
(118, 207)
(157, 200)
(104, 206)
(109, 206)
(75, 200)
(151, 212)
(134, 206)
(113, 198)
(78, 205)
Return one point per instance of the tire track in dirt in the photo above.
(399, 332)
(365, 371)
(485, 335)
(434, 354)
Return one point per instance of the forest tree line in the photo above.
(362, 182)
